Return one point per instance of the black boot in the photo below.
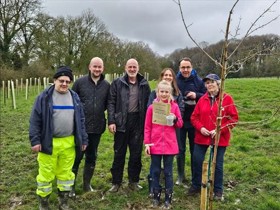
(168, 198)
(156, 200)
(44, 203)
(88, 173)
(63, 200)
(181, 170)
(150, 181)
(72, 193)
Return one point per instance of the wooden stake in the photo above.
(203, 200)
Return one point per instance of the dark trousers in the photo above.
(167, 168)
(182, 144)
(90, 152)
(199, 155)
(133, 139)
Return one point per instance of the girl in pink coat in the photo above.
(161, 143)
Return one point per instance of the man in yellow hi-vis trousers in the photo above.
(57, 125)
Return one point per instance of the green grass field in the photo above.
(252, 162)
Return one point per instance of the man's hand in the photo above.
(191, 95)
(112, 128)
(84, 147)
(36, 148)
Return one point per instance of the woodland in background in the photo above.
(34, 44)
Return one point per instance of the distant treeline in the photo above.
(34, 44)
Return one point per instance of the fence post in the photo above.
(30, 84)
(39, 85)
(9, 89)
(26, 89)
(13, 94)
(3, 90)
(17, 87)
(21, 84)
(45, 82)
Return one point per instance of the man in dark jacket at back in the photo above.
(93, 91)
(127, 107)
(192, 88)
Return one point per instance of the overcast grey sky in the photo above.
(159, 24)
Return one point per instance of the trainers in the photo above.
(218, 196)
(134, 186)
(114, 188)
(193, 191)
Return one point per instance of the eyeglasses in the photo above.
(185, 67)
(62, 81)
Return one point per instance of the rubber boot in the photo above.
(156, 200)
(181, 170)
(88, 173)
(168, 198)
(150, 181)
(72, 193)
(63, 200)
(44, 203)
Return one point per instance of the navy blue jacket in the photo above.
(41, 124)
(195, 84)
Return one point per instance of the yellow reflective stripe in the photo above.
(67, 182)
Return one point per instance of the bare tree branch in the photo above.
(251, 29)
(187, 30)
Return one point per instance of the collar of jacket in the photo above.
(139, 78)
(102, 77)
(193, 74)
(49, 91)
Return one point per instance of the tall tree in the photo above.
(15, 15)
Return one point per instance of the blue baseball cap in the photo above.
(214, 77)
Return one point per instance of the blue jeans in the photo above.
(198, 158)
(168, 171)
